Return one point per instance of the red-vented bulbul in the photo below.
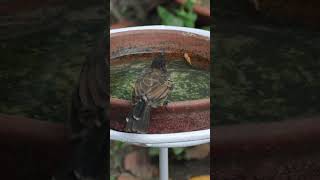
(150, 91)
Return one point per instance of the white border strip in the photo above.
(162, 27)
(182, 139)
(160, 138)
(180, 144)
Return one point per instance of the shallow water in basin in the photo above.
(189, 83)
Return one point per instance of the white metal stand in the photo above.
(163, 141)
(164, 164)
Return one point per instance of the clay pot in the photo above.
(203, 12)
(148, 42)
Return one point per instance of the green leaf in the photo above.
(189, 5)
(181, 13)
(118, 145)
(168, 18)
(189, 18)
(178, 151)
(154, 151)
(191, 21)
(206, 28)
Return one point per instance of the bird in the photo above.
(150, 90)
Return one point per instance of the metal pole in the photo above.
(163, 164)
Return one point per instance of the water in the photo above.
(189, 83)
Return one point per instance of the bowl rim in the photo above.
(180, 139)
(177, 104)
(200, 32)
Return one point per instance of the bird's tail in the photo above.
(138, 119)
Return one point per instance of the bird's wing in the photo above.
(155, 85)
(160, 92)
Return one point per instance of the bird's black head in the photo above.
(159, 63)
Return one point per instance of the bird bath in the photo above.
(180, 123)
(144, 43)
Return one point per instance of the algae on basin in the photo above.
(189, 83)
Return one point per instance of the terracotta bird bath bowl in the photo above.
(149, 41)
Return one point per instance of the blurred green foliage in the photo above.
(178, 152)
(115, 153)
(153, 151)
(206, 28)
(117, 145)
(182, 16)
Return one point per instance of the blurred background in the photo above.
(137, 163)
(266, 81)
(43, 45)
(267, 53)
(187, 13)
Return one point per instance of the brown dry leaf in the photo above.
(138, 163)
(187, 58)
(204, 177)
(125, 176)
